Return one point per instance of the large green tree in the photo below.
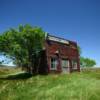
(22, 45)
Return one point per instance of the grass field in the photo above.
(76, 86)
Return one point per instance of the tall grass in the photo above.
(75, 86)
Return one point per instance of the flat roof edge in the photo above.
(59, 39)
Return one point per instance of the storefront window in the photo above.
(53, 63)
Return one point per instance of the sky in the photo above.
(77, 20)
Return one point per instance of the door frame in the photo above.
(65, 69)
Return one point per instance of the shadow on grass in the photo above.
(17, 76)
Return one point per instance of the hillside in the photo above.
(75, 86)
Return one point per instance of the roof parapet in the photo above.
(57, 39)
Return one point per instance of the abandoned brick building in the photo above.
(59, 55)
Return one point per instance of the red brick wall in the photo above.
(65, 51)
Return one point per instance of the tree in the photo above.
(79, 50)
(22, 45)
(0, 62)
(87, 62)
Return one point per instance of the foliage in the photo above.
(79, 50)
(22, 45)
(0, 62)
(87, 62)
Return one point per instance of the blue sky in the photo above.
(77, 20)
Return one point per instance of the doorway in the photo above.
(65, 65)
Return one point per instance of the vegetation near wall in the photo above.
(23, 45)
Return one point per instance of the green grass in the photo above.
(75, 86)
(7, 70)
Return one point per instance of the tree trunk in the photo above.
(30, 61)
